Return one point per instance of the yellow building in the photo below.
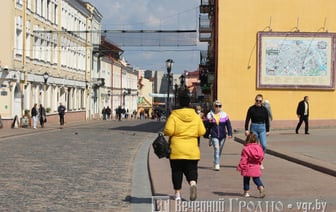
(238, 73)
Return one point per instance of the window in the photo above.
(18, 36)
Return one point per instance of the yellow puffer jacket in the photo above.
(183, 127)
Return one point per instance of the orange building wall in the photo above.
(238, 24)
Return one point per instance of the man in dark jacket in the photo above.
(302, 112)
(61, 112)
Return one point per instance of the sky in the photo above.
(154, 15)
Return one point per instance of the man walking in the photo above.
(302, 112)
(34, 115)
(61, 111)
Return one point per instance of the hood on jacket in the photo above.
(255, 152)
(184, 114)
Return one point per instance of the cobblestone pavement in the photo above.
(78, 168)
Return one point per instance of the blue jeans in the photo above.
(218, 147)
(260, 131)
(256, 181)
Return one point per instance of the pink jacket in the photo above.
(251, 157)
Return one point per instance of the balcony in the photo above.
(207, 6)
(205, 37)
(204, 23)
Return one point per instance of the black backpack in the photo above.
(161, 146)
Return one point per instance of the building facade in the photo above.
(239, 57)
(53, 52)
(46, 56)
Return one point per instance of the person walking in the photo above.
(61, 112)
(267, 105)
(183, 127)
(108, 112)
(34, 115)
(258, 115)
(249, 166)
(42, 115)
(118, 112)
(219, 126)
(302, 112)
(104, 113)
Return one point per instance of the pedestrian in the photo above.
(219, 125)
(34, 115)
(108, 112)
(258, 115)
(199, 111)
(183, 127)
(61, 112)
(104, 113)
(302, 112)
(249, 166)
(119, 112)
(158, 114)
(267, 105)
(42, 115)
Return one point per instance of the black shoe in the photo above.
(297, 132)
(307, 133)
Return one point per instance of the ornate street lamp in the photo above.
(45, 77)
(169, 64)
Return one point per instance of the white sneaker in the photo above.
(246, 194)
(217, 167)
(178, 198)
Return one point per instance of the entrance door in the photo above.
(17, 100)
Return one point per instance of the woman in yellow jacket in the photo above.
(183, 127)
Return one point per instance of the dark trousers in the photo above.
(256, 181)
(61, 119)
(186, 167)
(42, 121)
(305, 120)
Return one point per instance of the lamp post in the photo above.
(45, 77)
(175, 89)
(182, 77)
(169, 64)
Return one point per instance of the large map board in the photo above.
(295, 60)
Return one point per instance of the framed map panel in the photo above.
(299, 60)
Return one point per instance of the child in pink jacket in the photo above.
(251, 158)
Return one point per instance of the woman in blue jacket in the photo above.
(219, 125)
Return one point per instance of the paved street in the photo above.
(86, 167)
(104, 166)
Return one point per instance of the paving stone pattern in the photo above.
(84, 168)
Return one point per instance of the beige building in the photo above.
(52, 39)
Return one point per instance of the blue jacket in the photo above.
(224, 126)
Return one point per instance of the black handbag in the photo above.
(161, 146)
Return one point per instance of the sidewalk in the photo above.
(49, 126)
(299, 171)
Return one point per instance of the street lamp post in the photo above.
(169, 64)
(182, 77)
(45, 77)
(175, 89)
